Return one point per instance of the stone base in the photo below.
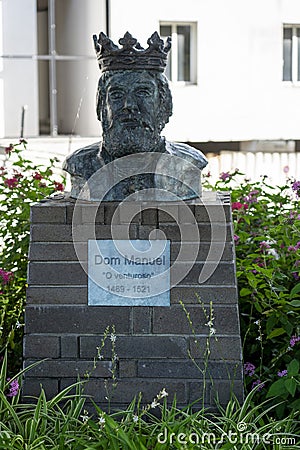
(152, 343)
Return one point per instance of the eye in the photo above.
(116, 94)
(143, 92)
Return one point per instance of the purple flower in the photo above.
(296, 186)
(264, 245)
(249, 369)
(296, 275)
(293, 340)
(297, 263)
(283, 373)
(255, 383)
(13, 388)
(224, 176)
(252, 196)
(286, 169)
(236, 238)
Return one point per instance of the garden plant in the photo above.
(267, 243)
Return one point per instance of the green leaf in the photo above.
(272, 320)
(276, 389)
(276, 332)
(291, 386)
(295, 289)
(295, 303)
(293, 368)
(244, 292)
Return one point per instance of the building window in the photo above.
(291, 53)
(182, 61)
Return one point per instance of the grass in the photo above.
(62, 422)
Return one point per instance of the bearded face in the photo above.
(130, 114)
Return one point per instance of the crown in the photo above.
(131, 55)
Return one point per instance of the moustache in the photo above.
(130, 120)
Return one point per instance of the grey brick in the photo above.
(174, 321)
(45, 213)
(186, 216)
(69, 346)
(223, 390)
(192, 294)
(199, 393)
(65, 233)
(32, 387)
(41, 346)
(221, 348)
(127, 368)
(56, 273)
(130, 212)
(93, 214)
(51, 233)
(219, 250)
(216, 213)
(70, 211)
(139, 347)
(145, 230)
(53, 251)
(176, 212)
(187, 369)
(188, 232)
(56, 295)
(76, 319)
(127, 390)
(68, 368)
(149, 215)
(111, 210)
(188, 274)
(168, 213)
(141, 320)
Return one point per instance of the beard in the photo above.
(122, 139)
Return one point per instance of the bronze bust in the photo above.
(134, 103)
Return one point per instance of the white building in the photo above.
(234, 68)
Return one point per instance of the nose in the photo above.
(130, 103)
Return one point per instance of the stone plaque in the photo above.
(129, 272)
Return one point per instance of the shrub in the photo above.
(23, 183)
(267, 242)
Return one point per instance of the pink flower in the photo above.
(37, 176)
(6, 276)
(58, 186)
(238, 205)
(236, 238)
(11, 183)
(9, 149)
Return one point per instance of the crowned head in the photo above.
(134, 101)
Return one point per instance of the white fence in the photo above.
(278, 166)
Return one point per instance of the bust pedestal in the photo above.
(152, 342)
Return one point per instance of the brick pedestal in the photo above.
(153, 343)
